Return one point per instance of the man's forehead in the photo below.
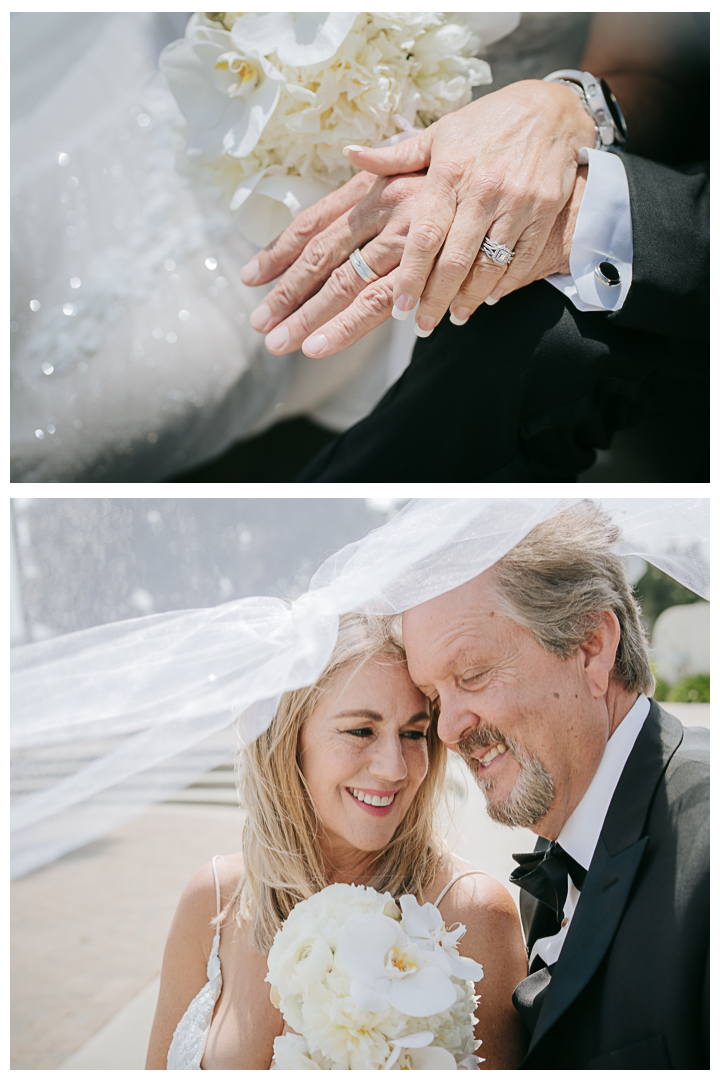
(449, 620)
(474, 599)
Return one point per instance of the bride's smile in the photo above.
(374, 802)
(363, 754)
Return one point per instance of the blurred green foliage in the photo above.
(656, 591)
(662, 689)
(694, 688)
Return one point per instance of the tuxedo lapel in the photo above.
(594, 924)
(613, 869)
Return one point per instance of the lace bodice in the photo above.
(190, 1039)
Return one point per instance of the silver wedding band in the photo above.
(358, 263)
(499, 254)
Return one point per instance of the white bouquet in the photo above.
(368, 985)
(271, 99)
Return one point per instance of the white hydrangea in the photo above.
(271, 99)
(345, 968)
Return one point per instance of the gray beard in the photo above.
(530, 799)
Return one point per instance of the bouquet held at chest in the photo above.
(271, 99)
(366, 984)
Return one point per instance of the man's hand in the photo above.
(503, 166)
(555, 256)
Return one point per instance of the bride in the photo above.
(342, 787)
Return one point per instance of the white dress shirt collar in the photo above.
(580, 833)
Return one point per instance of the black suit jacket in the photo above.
(528, 387)
(670, 211)
(630, 989)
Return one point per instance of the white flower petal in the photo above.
(464, 967)
(363, 945)
(431, 1057)
(420, 1038)
(420, 922)
(299, 38)
(245, 189)
(188, 67)
(368, 997)
(436, 958)
(291, 1052)
(294, 192)
(425, 992)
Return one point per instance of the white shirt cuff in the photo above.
(603, 233)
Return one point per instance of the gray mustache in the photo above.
(482, 737)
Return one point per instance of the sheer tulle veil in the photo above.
(142, 707)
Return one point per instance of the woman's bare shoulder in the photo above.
(476, 895)
(198, 902)
(189, 943)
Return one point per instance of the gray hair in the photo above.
(559, 580)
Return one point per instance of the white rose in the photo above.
(291, 1052)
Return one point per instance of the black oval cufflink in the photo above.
(608, 273)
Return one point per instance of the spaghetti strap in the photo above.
(452, 882)
(217, 885)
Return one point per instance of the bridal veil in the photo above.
(142, 707)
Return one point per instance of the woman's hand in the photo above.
(320, 290)
(504, 167)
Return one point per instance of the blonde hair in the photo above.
(283, 863)
(562, 576)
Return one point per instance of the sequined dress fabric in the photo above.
(132, 356)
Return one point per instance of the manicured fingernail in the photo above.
(493, 298)
(424, 327)
(460, 316)
(402, 307)
(260, 317)
(250, 273)
(277, 339)
(354, 149)
(315, 345)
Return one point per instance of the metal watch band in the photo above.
(581, 94)
(601, 103)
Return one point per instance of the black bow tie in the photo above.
(544, 874)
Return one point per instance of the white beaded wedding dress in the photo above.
(132, 354)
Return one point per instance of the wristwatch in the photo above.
(600, 102)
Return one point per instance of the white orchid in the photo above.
(387, 968)
(364, 993)
(227, 95)
(298, 38)
(415, 1052)
(271, 98)
(425, 927)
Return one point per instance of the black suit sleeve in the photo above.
(670, 208)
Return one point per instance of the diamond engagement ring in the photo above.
(359, 264)
(499, 254)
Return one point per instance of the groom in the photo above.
(541, 670)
